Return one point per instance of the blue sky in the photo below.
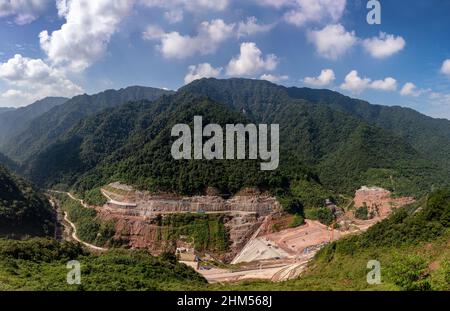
(68, 47)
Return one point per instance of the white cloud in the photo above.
(276, 3)
(273, 78)
(332, 41)
(301, 12)
(445, 69)
(153, 32)
(251, 27)
(175, 8)
(89, 26)
(174, 16)
(384, 45)
(438, 105)
(315, 11)
(440, 98)
(388, 84)
(250, 61)
(356, 84)
(199, 71)
(175, 45)
(23, 11)
(325, 78)
(84, 36)
(410, 89)
(13, 94)
(33, 79)
(190, 5)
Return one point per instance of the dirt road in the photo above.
(266, 271)
(73, 228)
(75, 237)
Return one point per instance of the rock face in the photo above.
(379, 201)
(143, 204)
(240, 228)
(137, 215)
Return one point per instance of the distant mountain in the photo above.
(5, 109)
(23, 210)
(7, 162)
(428, 135)
(123, 132)
(47, 128)
(430, 138)
(14, 121)
(331, 149)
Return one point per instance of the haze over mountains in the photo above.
(14, 121)
(334, 142)
(5, 109)
(46, 128)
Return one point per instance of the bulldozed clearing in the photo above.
(257, 251)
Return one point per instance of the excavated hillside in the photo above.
(207, 223)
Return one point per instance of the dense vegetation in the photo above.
(427, 135)
(40, 264)
(325, 150)
(47, 128)
(6, 109)
(411, 245)
(24, 211)
(322, 214)
(89, 228)
(13, 122)
(344, 147)
(207, 232)
(7, 162)
(330, 145)
(94, 197)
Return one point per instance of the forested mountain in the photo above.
(332, 149)
(5, 109)
(23, 210)
(428, 135)
(139, 134)
(15, 121)
(7, 162)
(46, 129)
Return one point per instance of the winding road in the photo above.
(72, 225)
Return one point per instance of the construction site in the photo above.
(257, 248)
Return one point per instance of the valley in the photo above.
(119, 196)
(224, 151)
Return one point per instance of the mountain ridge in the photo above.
(6, 109)
(14, 121)
(24, 211)
(46, 128)
(336, 150)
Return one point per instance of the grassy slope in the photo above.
(40, 264)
